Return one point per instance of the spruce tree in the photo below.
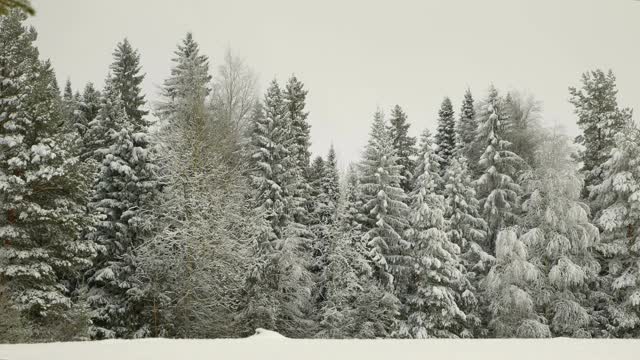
(127, 79)
(467, 229)
(297, 129)
(404, 146)
(383, 202)
(88, 108)
(619, 220)
(43, 188)
(466, 126)
(434, 292)
(283, 250)
(599, 118)
(446, 135)
(125, 186)
(497, 189)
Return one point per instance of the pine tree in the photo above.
(283, 250)
(125, 186)
(467, 229)
(297, 131)
(431, 303)
(383, 202)
(43, 197)
(88, 108)
(619, 220)
(560, 239)
(599, 118)
(269, 177)
(466, 128)
(127, 80)
(404, 146)
(446, 135)
(350, 212)
(498, 191)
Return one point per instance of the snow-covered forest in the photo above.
(208, 216)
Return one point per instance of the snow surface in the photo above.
(268, 345)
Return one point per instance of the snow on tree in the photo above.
(283, 248)
(296, 129)
(467, 229)
(233, 98)
(619, 198)
(350, 211)
(599, 118)
(268, 175)
(559, 238)
(127, 79)
(497, 189)
(192, 266)
(523, 130)
(43, 191)
(446, 134)
(510, 285)
(431, 303)
(383, 202)
(466, 128)
(125, 186)
(88, 109)
(404, 145)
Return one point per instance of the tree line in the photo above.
(216, 219)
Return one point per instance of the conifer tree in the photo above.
(446, 135)
(498, 190)
(43, 188)
(127, 79)
(283, 249)
(619, 219)
(297, 130)
(467, 229)
(125, 186)
(404, 146)
(599, 118)
(431, 302)
(466, 128)
(383, 202)
(88, 108)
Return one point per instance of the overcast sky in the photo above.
(354, 56)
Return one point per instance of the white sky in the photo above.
(356, 55)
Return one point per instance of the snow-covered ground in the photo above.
(270, 345)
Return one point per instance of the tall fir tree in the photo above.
(88, 107)
(124, 189)
(466, 129)
(283, 249)
(599, 118)
(619, 219)
(294, 97)
(468, 230)
(383, 203)
(43, 188)
(498, 190)
(127, 79)
(446, 134)
(404, 146)
(434, 291)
